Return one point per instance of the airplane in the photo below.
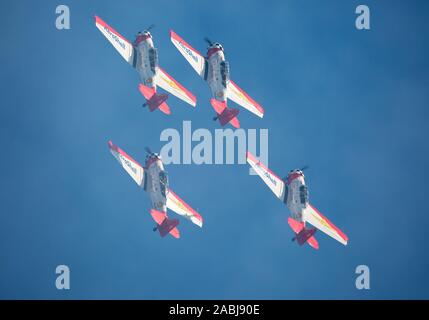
(154, 179)
(143, 56)
(293, 192)
(215, 70)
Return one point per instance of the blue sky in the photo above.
(351, 104)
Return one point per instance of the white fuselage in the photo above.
(297, 196)
(146, 61)
(216, 77)
(157, 183)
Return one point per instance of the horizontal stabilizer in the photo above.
(303, 235)
(175, 233)
(154, 100)
(313, 243)
(225, 114)
(295, 225)
(165, 224)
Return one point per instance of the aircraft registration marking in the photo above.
(188, 51)
(115, 37)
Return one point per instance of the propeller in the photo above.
(148, 150)
(302, 169)
(150, 27)
(208, 41)
(305, 167)
(147, 29)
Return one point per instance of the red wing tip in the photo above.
(250, 156)
(199, 217)
(342, 235)
(110, 143)
(97, 18)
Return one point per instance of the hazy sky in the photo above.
(351, 104)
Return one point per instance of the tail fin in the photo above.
(154, 100)
(225, 114)
(303, 235)
(165, 224)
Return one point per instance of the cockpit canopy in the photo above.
(216, 45)
(296, 171)
(144, 33)
(153, 156)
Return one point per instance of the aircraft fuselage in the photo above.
(146, 60)
(157, 184)
(297, 194)
(217, 74)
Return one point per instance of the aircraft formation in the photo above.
(142, 55)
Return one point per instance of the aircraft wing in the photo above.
(122, 45)
(131, 166)
(196, 59)
(313, 216)
(182, 208)
(165, 81)
(243, 99)
(270, 178)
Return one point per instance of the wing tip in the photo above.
(250, 156)
(252, 101)
(340, 233)
(173, 34)
(197, 219)
(193, 98)
(98, 20)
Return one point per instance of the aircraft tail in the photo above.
(303, 234)
(154, 100)
(224, 114)
(165, 225)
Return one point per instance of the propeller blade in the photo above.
(148, 150)
(208, 41)
(150, 27)
(305, 167)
